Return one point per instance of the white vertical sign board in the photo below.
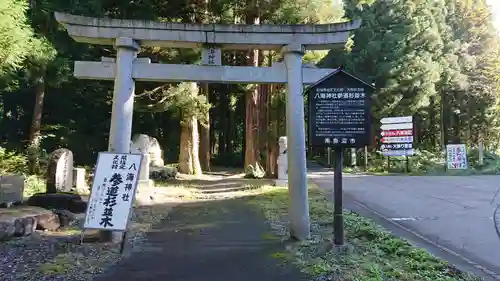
(113, 191)
(456, 157)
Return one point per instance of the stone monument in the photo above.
(282, 163)
(11, 189)
(60, 171)
(146, 144)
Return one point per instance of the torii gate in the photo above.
(292, 40)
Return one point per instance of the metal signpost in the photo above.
(397, 138)
(339, 117)
(113, 193)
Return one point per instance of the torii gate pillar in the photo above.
(296, 137)
(120, 129)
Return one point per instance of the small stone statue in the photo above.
(282, 163)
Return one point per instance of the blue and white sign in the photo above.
(456, 157)
(408, 152)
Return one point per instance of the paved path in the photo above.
(449, 211)
(207, 241)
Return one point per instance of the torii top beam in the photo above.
(104, 31)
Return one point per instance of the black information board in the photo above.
(339, 111)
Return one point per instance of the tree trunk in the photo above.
(205, 154)
(189, 162)
(456, 118)
(231, 129)
(272, 138)
(263, 125)
(252, 156)
(252, 99)
(266, 136)
(189, 145)
(444, 123)
(4, 121)
(212, 137)
(205, 137)
(432, 126)
(36, 123)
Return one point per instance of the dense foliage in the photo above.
(436, 60)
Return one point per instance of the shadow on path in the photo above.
(208, 241)
(225, 184)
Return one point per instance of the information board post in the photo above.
(338, 217)
(339, 117)
(366, 158)
(407, 164)
(113, 193)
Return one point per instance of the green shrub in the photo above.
(426, 162)
(11, 162)
(15, 163)
(34, 184)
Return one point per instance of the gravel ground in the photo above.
(56, 256)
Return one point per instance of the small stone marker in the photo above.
(282, 163)
(60, 171)
(144, 181)
(11, 189)
(79, 181)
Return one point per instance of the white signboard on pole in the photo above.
(397, 126)
(392, 120)
(456, 156)
(113, 191)
(404, 152)
(397, 139)
(396, 146)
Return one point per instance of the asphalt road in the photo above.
(451, 216)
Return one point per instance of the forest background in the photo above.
(436, 60)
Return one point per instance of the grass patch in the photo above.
(65, 262)
(71, 231)
(374, 255)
